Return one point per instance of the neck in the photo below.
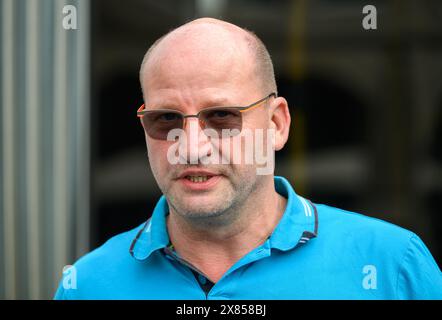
(214, 250)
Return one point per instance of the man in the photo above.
(224, 229)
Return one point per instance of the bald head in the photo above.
(213, 42)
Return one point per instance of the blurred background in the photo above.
(366, 118)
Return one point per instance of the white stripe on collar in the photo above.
(307, 209)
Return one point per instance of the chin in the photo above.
(205, 208)
(197, 207)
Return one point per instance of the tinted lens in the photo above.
(221, 118)
(159, 123)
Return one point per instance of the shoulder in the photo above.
(338, 222)
(112, 249)
(94, 269)
(361, 238)
(399, 254)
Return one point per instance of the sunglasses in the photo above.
(158, 123)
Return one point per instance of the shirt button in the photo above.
(202, 279)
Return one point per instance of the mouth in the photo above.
(199, 181)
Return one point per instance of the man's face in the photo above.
(189, 75)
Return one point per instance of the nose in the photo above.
(195, 145)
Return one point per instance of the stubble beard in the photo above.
(223, 211)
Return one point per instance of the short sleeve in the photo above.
(419, 276)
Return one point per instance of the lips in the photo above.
(199, 180)
(197, 175)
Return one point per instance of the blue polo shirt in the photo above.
(315, 252)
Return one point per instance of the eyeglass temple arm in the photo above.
(257, 103)
(140, 111)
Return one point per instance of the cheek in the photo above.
(236, 152)
(257, 121)
(157, 152)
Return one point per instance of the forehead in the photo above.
(200, 59)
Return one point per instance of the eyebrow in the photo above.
(220, 101)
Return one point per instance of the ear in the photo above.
(280, 121)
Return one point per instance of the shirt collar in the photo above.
(297, 226)
(299, 222)
(153, 235)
